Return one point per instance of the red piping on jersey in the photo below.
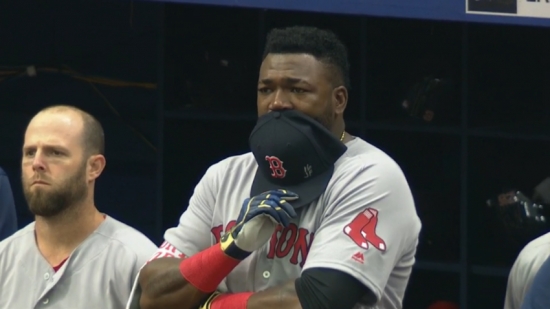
(56, 268)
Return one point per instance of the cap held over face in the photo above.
(294, 152)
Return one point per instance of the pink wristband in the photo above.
(231, 301)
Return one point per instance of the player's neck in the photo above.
(337, 129)
(58, 236)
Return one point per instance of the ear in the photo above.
(95, 166)
(340, 99)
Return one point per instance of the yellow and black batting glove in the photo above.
(259, 217)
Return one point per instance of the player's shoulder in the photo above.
(541, 243)
(537, 249)
(234, 162)
(527, 264)
(242, 164)
(366, 173)
(363, 161)
(126, 240)
(24, 237)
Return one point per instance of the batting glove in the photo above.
(257, 221)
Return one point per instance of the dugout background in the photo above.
(191, 102)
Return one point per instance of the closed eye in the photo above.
(298, 90)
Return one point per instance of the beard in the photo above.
(55, 199)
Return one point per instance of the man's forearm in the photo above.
(280, 297)
(163, 286)
(172, 283)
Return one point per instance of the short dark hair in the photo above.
(324, 45)
(93, 136)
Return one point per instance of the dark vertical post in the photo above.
(160, 127)
(363, 80)
(262, 31)
(464, 173)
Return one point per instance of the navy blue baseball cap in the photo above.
(294, 152)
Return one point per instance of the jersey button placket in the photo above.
(49, 278)
(262, 274)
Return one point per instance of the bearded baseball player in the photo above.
(72, 255)
(311, 218)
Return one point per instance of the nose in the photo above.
(38, 162)
(280, 102)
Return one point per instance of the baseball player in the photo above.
(524, 269)
(72, 255)
(538, 295)
(311, 218)
(8, 216)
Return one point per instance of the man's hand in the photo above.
(257, 221)
(207, 303)
(279, 297)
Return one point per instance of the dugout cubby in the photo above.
(413, 71)
(431, 164)
(497, 166)
(441, 287)
(508, 80)
(190, 147)
(211, 59)
(486, 291)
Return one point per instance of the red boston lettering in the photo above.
(217, 230)
(290, 239)
(273, 242)
(230, 225)
(286, 241)
(301, 246)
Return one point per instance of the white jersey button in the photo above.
(46, 276)
(266, 274)
(45, 301)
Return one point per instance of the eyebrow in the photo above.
(46, 147)
(286, 80)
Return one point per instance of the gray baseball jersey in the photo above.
(526, 266)
(365, 224)
(97, 275)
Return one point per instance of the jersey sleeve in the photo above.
(368, 225)
(8, 218)
(538, 295)
(523, 271)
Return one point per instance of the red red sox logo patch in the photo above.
(276, 166)
(362, 230)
